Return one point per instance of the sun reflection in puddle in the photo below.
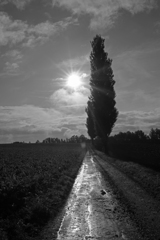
(68, 218)
(89, 220)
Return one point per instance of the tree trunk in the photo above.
(105, 140)
(106, 149)
(92, 142)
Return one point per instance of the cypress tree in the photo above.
(90, 121)
(103, 95)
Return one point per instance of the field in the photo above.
(35, 180)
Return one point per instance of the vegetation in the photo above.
(154, 135)
(140, 136)
(35, 180)
(137, 147)
(101, 109)
(90, 121)
(73, 139)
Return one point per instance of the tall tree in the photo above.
(90, 121)
(103, 94)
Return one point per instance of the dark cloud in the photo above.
(20, 4)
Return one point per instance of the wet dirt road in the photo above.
(89, 212)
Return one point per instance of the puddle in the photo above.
(86, 214)
(103, 192)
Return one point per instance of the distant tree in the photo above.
(140, 135)
(154, 134)
(102, 95)
(90, 121)
(137, 136)
(82, 138)
(74, 139)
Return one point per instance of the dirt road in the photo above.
(136, 197)
(92, 210)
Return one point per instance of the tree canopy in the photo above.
(102, 97)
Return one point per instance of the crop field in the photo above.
(35, 181)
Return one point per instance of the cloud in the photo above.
(43, 31)
(14, 54)
(137, 78)
(20, 4)
(17, 31)
(13, 60)
(137, 120)
(104, 12)
(74, 63)
(75, 131)
(12, 68)
(70, 101)
(157, 26)
(129, 64)
(131, 100)
(11, 31)
(69, 133)
(29, 122)
(29, 116)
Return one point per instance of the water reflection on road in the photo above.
(89, 210)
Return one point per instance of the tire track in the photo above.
(144, 209)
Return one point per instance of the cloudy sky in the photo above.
(43, 41)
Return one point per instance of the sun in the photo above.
(74, 80)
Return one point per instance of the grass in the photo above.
(139, 161)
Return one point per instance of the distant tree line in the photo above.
(137, 136)
(49, 140)
(73, 139)
(136, 147)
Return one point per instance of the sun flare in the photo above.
(74, 80)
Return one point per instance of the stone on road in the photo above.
(89, 209)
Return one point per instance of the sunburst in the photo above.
(74, 80)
